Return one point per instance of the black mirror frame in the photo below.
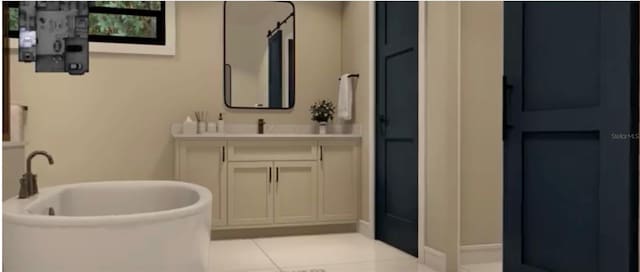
(292, 93)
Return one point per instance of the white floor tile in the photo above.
(238, 255)
(484, 267)
(381, 266)
(307, 251)
(241, 270)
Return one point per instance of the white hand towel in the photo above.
(345, 98)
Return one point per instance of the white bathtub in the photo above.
(123, 226)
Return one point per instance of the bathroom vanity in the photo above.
(273, 180)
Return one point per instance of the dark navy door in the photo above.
(570, 164)
(397, 125)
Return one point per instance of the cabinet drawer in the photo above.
(272, 150)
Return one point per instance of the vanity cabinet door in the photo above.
(339, 172)
(250, 193)
(296, 191)
(202, 163)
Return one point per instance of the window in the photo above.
(133, 22)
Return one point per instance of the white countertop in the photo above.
(249, 136)
(276, 132)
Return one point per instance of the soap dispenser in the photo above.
(220, 125)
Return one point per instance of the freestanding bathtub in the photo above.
(123, 226)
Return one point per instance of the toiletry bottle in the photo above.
(220, 125)
(189, 127)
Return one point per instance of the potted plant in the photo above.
(322, 112)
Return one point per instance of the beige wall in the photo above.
(443, 129)
(113, 123)
(246, 53)
(481, 71)
(463, 86)
(356, 59)
(13, 166)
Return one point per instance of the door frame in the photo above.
(422, 127)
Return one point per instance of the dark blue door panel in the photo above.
(275, 70)
(397, 137)
(571, 95)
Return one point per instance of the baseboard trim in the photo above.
(226, 234)
(435, 259)
(365, 229)
(480, 253)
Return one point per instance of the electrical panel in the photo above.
(55, 35)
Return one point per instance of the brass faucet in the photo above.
(28, 182)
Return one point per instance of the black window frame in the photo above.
(160, 16)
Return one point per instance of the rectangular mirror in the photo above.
(259, 55)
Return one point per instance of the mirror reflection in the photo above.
(259, 55)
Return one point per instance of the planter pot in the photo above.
(322, 128)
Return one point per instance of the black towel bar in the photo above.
(351, 75)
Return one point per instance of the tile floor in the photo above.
(482, 267)
(350, 252)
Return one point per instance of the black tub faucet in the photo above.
(28, 182)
